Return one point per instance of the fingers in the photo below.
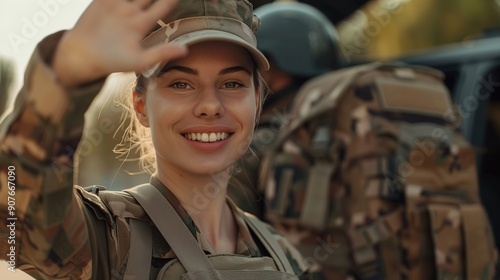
(120, 25)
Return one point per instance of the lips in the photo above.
(207, 137)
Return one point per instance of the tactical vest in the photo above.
(372, 160)
(192, 263)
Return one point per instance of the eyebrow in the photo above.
(194, 72)
(178, 68)
(234, 69)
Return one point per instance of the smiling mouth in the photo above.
(207, 137)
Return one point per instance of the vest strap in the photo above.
(175, 231)
(270, 243)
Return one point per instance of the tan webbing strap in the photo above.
(284, 187)
(139, 255)
(384, 227)
(269, 242)
(174, 231)
(364, 255)
(477, 247)
(315, 209)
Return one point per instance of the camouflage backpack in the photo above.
(371, 162)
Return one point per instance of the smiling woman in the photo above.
(194, 113)
(208, 92)
(213, 93)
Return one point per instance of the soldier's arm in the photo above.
(43, 225)
(37, 141)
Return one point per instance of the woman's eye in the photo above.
(180, 85)
(232, 85)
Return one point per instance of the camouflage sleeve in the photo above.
(42, 228)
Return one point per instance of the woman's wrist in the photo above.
(71, 65)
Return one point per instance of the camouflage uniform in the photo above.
(66, 232)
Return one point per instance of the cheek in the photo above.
(157, 109)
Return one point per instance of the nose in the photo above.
(209, 104)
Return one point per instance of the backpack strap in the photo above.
(175, 232)
(314, 213)
(272, 246)
(139, 256)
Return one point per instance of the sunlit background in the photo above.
(382, 29)
(23, 23)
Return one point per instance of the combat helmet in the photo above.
(300, 39)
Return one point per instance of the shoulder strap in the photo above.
(270, 243)
(175, 232)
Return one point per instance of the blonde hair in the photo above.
(137, 137)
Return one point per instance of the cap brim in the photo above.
(217, 35)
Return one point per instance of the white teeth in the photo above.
(213, 137)
(207, 137)
(204, 137)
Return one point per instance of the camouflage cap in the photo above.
(195, 21)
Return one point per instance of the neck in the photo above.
(204, 198)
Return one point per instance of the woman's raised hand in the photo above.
(107, 38)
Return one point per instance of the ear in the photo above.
(140, 108)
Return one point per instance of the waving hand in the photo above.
(107, 37)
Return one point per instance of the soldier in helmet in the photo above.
(300, 43)
(194, 105)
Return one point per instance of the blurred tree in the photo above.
(390, 28)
